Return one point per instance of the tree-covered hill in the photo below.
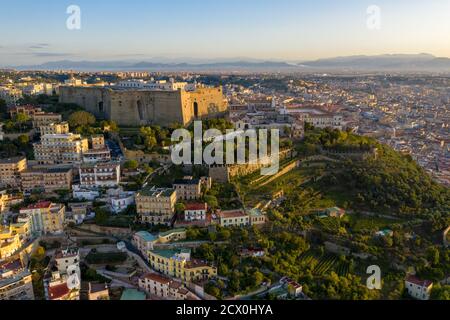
(389, 182)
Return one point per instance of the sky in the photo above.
(33, 32)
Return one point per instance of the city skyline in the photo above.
(201, 31)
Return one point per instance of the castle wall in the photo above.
(141, 107)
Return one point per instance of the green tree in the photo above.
(81, 118)
(3, 109)
(101, 216)
(131, 165)
(433, 255)
(180, 207)
(257, 278)
(440, 292)
(21, 119)
(23, 139)
(212, 201)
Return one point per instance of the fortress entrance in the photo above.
(196, 109)
(140, 110)
(100, 106)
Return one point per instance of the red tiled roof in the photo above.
(195, 206)
(157, 278)
(232, 214)
(58, 291)
(40, 205)
(417, 281)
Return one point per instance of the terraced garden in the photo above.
(324, 264)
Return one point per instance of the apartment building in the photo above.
(67, 261)
(195, 212)
(315, 116)
(15, 281)
(40, 119)
(178, 264)
(97, 142)
(54, 128)
(44, 217)
(418, 289)
(10, 170)
(163, 287)
(28, 110)
(60, 148)
(97, 291)
(233, 218)
(188, 189)
(97, 155)
(7, 200)
(57, 289)
(156, 205)
(46, 179)
(9, 243)
(145, 241)
(99, 174)
(65, 281)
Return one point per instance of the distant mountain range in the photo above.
(391, 62)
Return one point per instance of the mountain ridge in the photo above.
(385, 62)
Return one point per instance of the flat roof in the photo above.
(133, 295)
(154, 192)
(166, 233)
(147, 236)
(11, 160)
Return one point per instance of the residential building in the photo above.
(8, 199)
(97, 155)
(46, 179)
(65, 281)
(28, 110)
(257, 217)
(120, 200)
(60, 148)
(164, 287)
(233, 218)
(67, 261)
(99, 174)
(54, 128)
(418, 289)
(15, 281)
(41, 119)
(178, 264)
(195, 211)
(188, 189)
(44, 217)
(315, 116)
(156, 205)
(335, 212)
(172, 235)
(9, 243)
(98, 142)
(98, 291)
(144, 242)
(57, 288)
(10, 170)
(84, 193)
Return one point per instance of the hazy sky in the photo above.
(35, 31)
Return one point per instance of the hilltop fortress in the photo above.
(136, 103)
